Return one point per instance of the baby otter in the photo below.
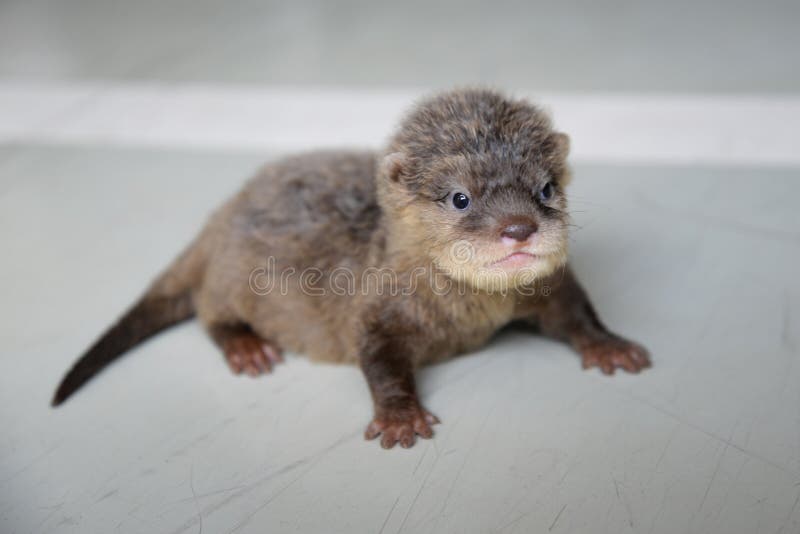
(389, 260)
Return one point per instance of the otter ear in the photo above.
(560, 150)
(561, 143)
(392, 166)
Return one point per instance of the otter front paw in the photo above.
(401, 425)
(613, 353)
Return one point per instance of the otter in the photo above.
(389, 260)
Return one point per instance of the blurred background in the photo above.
(682, 46)
(123, 124)
(632, 82)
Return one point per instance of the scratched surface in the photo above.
(697, 263)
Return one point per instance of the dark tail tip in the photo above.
(146, 318)
(83, 370)
(60, 396)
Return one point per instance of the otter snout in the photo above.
(518, 230)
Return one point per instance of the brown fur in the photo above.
(393, 212)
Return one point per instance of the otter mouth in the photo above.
(515, 260)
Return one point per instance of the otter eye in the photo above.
(460, 201)
(547, 192)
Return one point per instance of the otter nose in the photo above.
(519, 232)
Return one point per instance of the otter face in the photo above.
(488, 207)
(493, 226)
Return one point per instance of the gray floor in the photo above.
(574, 45)
(169, 441)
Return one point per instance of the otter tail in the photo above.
(167, 302)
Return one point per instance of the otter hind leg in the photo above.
(244, 350)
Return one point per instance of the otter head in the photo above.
(476, 182)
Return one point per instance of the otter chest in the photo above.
(473, 319)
